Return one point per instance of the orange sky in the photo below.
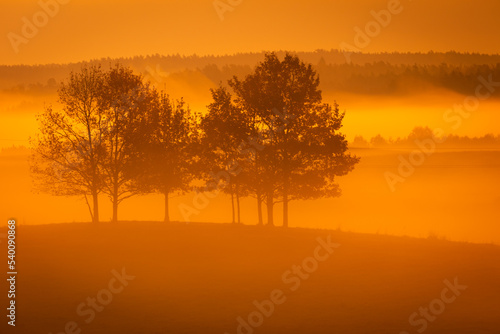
(83, 30)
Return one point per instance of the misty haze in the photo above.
(250, 167)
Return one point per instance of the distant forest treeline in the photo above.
(420, 134)
(367, 73)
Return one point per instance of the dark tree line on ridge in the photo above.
(420, 133)
(376, 78)
(367, 73)
(117, 135)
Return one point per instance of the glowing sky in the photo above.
(82, 30)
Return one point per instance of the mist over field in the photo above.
(447, 208)
(404, 90)
(248, 167)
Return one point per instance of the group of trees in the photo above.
(270, 133)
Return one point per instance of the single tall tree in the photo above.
(126, 98)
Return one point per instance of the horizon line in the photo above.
(208, 55)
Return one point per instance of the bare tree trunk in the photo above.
(167, 216)
(115, 209)
(232, 205)
(285, 208)
(286, 183)
(270, 207)
(95, 199)
(259, 208)
(238, 204)
(115, 202)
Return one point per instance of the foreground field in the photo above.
(216, 278)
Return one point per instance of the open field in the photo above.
(454, 194)
(199, 278)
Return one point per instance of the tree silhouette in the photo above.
(164, 147)
(300, 149)
(224, 129)
(69, 150)
(272, 137)
(126, 97)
